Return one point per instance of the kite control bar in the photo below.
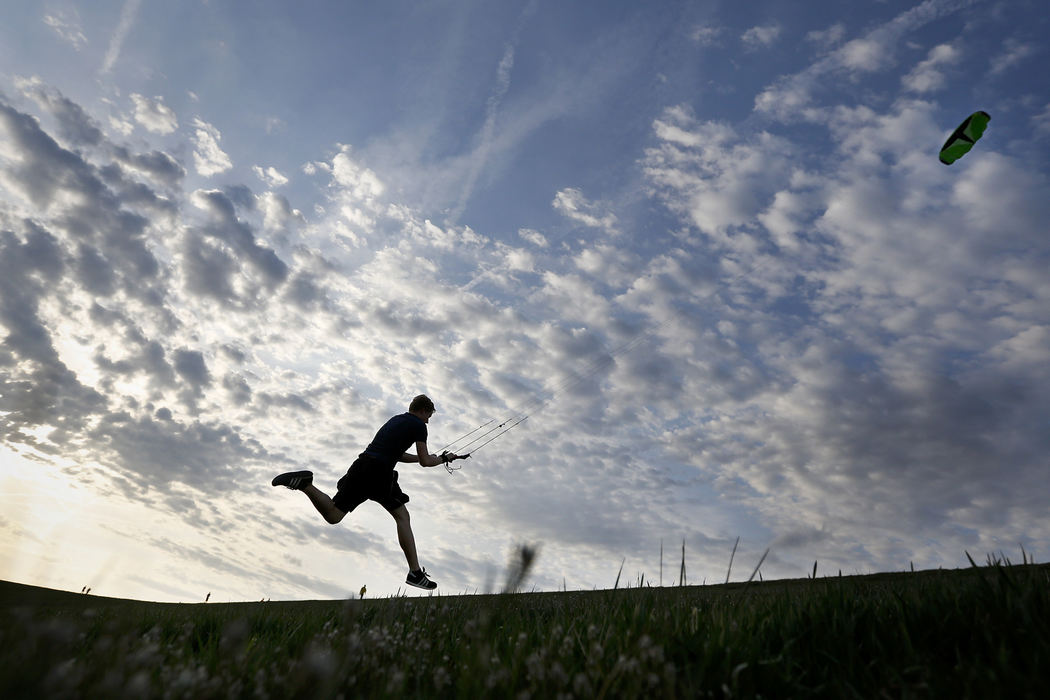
(448, 458)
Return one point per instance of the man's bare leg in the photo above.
(405, 537)
(323, 504)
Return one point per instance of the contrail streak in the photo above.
(127, 17)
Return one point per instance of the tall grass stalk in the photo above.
(681, 573)
(758, 565)
(522, 559)
(732, 555)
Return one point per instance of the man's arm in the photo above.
(422, 456)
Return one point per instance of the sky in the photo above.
(706, 248)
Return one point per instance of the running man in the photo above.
(372, 477)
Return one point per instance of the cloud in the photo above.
(791, 96)
(121, 126)
(154, 115)
(358, 181)
(1041, 121)
(270, 176)
(714, 178)
(66, 23)
(274, 125)
(239, 246)
(82, 274)
(160, 166)
(35, 386)
(827, 37)
(534, 237)
(116, 42)
(208, 157)
(278, 214)
(41, 168)
(161, 453)
(74, 123)
(1014, 52)
(864, 55)
(486, 136)
(357, 192)
(927, 76)
(761, 36)
(572, 204)
(706, 36)
(190, 365)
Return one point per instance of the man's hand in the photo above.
(449, 457)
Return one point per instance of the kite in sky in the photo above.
(963, 138)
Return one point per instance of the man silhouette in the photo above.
(372, 477)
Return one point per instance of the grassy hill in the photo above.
(979, 632)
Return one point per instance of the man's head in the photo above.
(422, 406)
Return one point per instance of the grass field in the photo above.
(973, 633)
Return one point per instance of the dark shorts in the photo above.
(368, 479)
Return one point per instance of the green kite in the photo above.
(963, 138)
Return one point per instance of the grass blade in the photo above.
(681, 574)
(733, 554)
(759, 565)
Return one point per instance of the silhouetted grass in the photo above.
(978, 633)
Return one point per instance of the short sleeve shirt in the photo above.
(395, 438)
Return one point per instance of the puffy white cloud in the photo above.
(785, 216)
(571, 203)
(358, 181)
(122, 126)
(154, 115)
(278, 214)
(270, 176)
(355, 192)
(707, 172)
(866, 54)
(534, 237)
(928, 76)
(208, 157)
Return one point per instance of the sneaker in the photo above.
(294, 480)
(419, 579)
